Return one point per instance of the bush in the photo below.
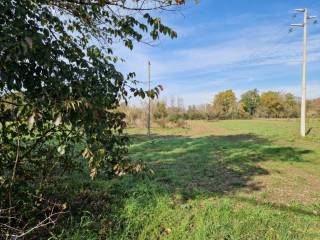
(161, 122)
(181, 123)
(174, 118)
(177, 120)
(59, 95)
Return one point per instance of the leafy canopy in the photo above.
(251, 101)
(60, 90)
(225, 103)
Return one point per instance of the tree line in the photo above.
(224, 105)
(253, 104)
(270, 104)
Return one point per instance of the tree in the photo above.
(225, 104)
(314, 107)
(272, 104)
(194, 113)
(291, 106)
(160, 111)
(242, 112)
(60, 88)
(250, 101)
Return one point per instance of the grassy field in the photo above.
(241, 179)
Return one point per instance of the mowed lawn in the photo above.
(237, 179)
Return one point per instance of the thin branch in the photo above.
(163, 5)
(37, 142)
(16, 161)
(11, 103)
(48, 220)
(12, 228)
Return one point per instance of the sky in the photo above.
(234, 44)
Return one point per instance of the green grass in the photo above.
(254, 179)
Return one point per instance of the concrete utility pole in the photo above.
(306, 17)
(149, 104)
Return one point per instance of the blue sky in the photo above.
(234, 44)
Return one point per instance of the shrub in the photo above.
(59, 94)
(162, 123)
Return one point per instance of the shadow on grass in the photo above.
(280, 207)
(212, 164)
(184, 168)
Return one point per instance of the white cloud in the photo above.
(245, 56)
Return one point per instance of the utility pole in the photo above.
(149, 99)
(306, 17)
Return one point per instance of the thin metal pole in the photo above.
(304, 75)
(149, 104)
